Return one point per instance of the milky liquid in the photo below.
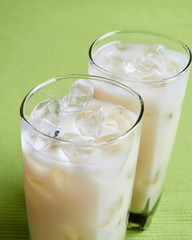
(135, 65)
(79, 192)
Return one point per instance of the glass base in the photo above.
(141, 221)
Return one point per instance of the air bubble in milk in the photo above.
(79, 97)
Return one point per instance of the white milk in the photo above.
(136, 65)
(79, 191)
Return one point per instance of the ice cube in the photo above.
(155, 179)
(119, 119)
(152, 77)
(45, 117)
(122, 46)
(117, 59)
(148, 66)
(79, 97)
(112, 212)
(59, 178)
(89, 120)
(108, 137)
(112, 149)
(155, 49)
(77, 153)
(76, 138)
(173, 67)
(48, 125)
(71, 233)
(117, 206)
(129, 67)
(158, 84)
(36, 141)
(54, 107)
(40, 144)
(40, 188)
(41, 110)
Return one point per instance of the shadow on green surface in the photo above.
(133, 233)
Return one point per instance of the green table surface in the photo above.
(40, 39)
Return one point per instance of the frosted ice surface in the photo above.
(79, 97)
(89, 120)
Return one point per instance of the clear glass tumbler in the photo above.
(157, 67)
(80, 148)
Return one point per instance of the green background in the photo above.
(40, 39)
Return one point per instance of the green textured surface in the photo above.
(40, 39)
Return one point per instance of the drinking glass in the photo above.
(157, 67)
(79, 186)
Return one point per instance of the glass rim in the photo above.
(85, 76)
(147, 32)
